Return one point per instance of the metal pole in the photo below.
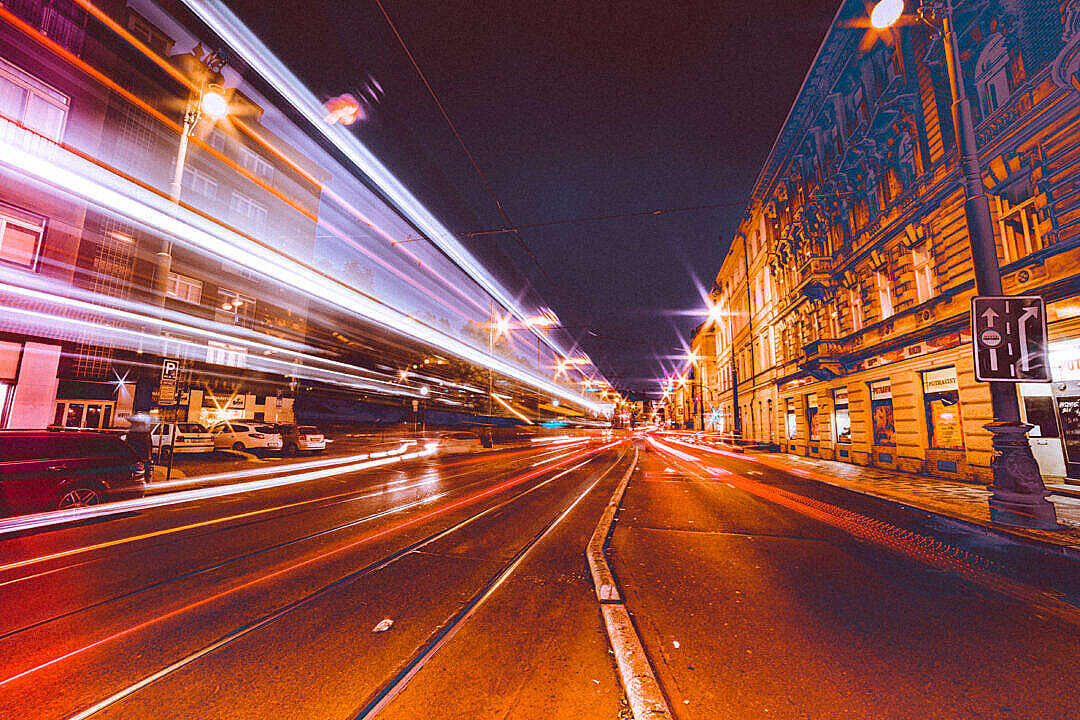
(163, 259)
(1018, 494)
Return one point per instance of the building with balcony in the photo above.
(847, 288)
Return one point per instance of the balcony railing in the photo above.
(60, 20)
(815, 277)
(821, 359)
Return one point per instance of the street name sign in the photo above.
(1009, 338)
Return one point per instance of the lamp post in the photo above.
(209, 99)
(1018, 494)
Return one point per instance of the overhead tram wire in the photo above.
(510, 227)
(601, 218)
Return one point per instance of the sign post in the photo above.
(170, 373)
(1010, 338)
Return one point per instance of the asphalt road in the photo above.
(265, 604)
(760, 594)
(757, 594)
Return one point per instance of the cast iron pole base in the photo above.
(1018, 496)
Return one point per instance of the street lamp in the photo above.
(1018, 494)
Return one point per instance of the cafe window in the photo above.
(881, 413)
(941, 398)
(842, 418)
(791, 422)
(90, 414)
(812, 421)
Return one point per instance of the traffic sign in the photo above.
(1009, 338)
(170, 373)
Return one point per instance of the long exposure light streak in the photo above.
(410, 522)
(96, 186)
(222, 21)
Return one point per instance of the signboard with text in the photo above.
(1009, 338)
(170, 373)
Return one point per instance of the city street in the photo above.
(761, 594)
(419, 359)
(456, 587)
(176, 612)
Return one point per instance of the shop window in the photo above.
(7, 390)
(841, 416)
(812, 421)
(941, 398)
(881, 413)
(27, 100)
(792, 428)
(20, 237)
(1039, 411)
(885, 293)
(922, 260)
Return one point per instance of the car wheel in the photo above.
(82, 496)
(238, 447)
(291, 449)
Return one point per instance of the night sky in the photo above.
(574, 110)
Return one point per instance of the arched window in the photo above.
(992, 75)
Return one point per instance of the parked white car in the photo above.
(241, 435)
(186, 438)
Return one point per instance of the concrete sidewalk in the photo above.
(958, 500)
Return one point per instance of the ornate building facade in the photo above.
(846, 291)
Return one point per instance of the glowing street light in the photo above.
(886, 12)
(214, 103)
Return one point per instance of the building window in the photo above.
(27, 100)
(248, 208)
(184, 288)
(923, 261)
(884, 291)
(201, 183)
(235, 308)
(812, 416)
(20, 237)
(841, 416)
(216, 140)
(1020, 227)
(855, 301)
(941, 398)
(792, 428)
(881, 413)
(148, 34)
(256, 164)
(992, 75)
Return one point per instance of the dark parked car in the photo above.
(46, 470)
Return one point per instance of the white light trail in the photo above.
(71, 173)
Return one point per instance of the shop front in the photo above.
(1053, 411)
(882, 424)
(945, 454)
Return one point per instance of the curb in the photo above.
(974, 525)
(643, 692)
